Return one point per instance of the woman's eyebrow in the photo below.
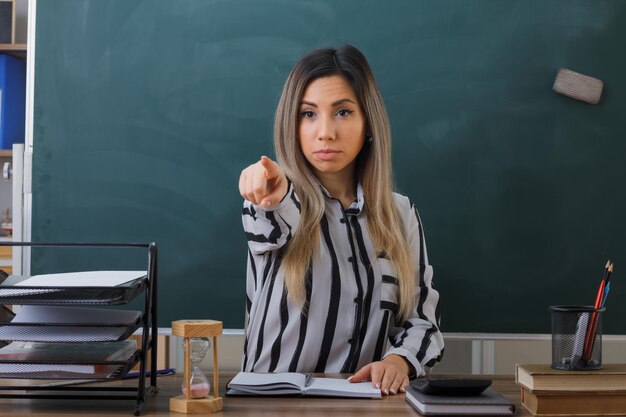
(334, 104)
(341, 101)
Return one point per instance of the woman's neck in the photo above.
(340, 186)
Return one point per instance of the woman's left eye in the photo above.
(344, 112)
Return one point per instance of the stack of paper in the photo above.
(53, 359)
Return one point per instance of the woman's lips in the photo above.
(326, 154)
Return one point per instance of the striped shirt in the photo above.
(351, 294)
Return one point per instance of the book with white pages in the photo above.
(47, 324)
(294, 383)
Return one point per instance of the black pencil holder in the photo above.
(576, 337)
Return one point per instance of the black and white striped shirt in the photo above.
(351, 294)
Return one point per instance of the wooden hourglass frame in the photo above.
(197, 329)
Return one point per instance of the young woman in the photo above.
(337, 261)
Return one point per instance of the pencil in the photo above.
(591, 330)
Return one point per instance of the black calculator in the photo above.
(451, 386)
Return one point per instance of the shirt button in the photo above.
(342, 220)
(350, 259)
(356, 299)
(350, 341)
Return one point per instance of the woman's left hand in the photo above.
(391, 374)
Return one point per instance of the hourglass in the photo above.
(196, 386)
(198, 383)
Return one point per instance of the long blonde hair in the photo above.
(373, 171)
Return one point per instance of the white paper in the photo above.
(82, 279)
(293, 383)
(58, 315)
(252, 379)
(61, 314)
(46, 370)
(341, 387)
(579, 338)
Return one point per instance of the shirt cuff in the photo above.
(410, 357)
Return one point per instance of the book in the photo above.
(612, 377)
(555, 403)
(489, 402)
(294, 383)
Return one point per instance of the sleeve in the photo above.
(270, 229)
(418, 339)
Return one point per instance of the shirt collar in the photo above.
(357, 205)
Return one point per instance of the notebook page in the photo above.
(341, 388)
(259, 382)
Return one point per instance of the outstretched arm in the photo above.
(271, 210)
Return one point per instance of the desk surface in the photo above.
(169, 386)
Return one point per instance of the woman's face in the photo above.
(331, 126)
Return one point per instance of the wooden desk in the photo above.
(158, 404)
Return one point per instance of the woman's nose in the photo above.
(326, 129)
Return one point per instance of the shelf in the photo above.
(17, 50)
(6, 153)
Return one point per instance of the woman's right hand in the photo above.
(263, 183)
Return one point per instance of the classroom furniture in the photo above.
(158, 405)
(17, 50)
(6, 164)
(11, 293)
(5, 256)
(7, 21)
(146, 112)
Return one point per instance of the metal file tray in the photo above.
(17, 369)
(68, 308)
(121, 294)
(68, 332)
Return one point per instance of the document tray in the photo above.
(18, 369)
(121, 294)
(67, 332)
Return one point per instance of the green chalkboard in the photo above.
(146, 112)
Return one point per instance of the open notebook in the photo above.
(293, 383)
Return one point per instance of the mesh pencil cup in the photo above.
(576, 337)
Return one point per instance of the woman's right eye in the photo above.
(307, 114)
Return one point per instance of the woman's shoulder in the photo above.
(403, 203)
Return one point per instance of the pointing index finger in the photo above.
(270, 167)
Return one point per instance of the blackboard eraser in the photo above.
(578, 86)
